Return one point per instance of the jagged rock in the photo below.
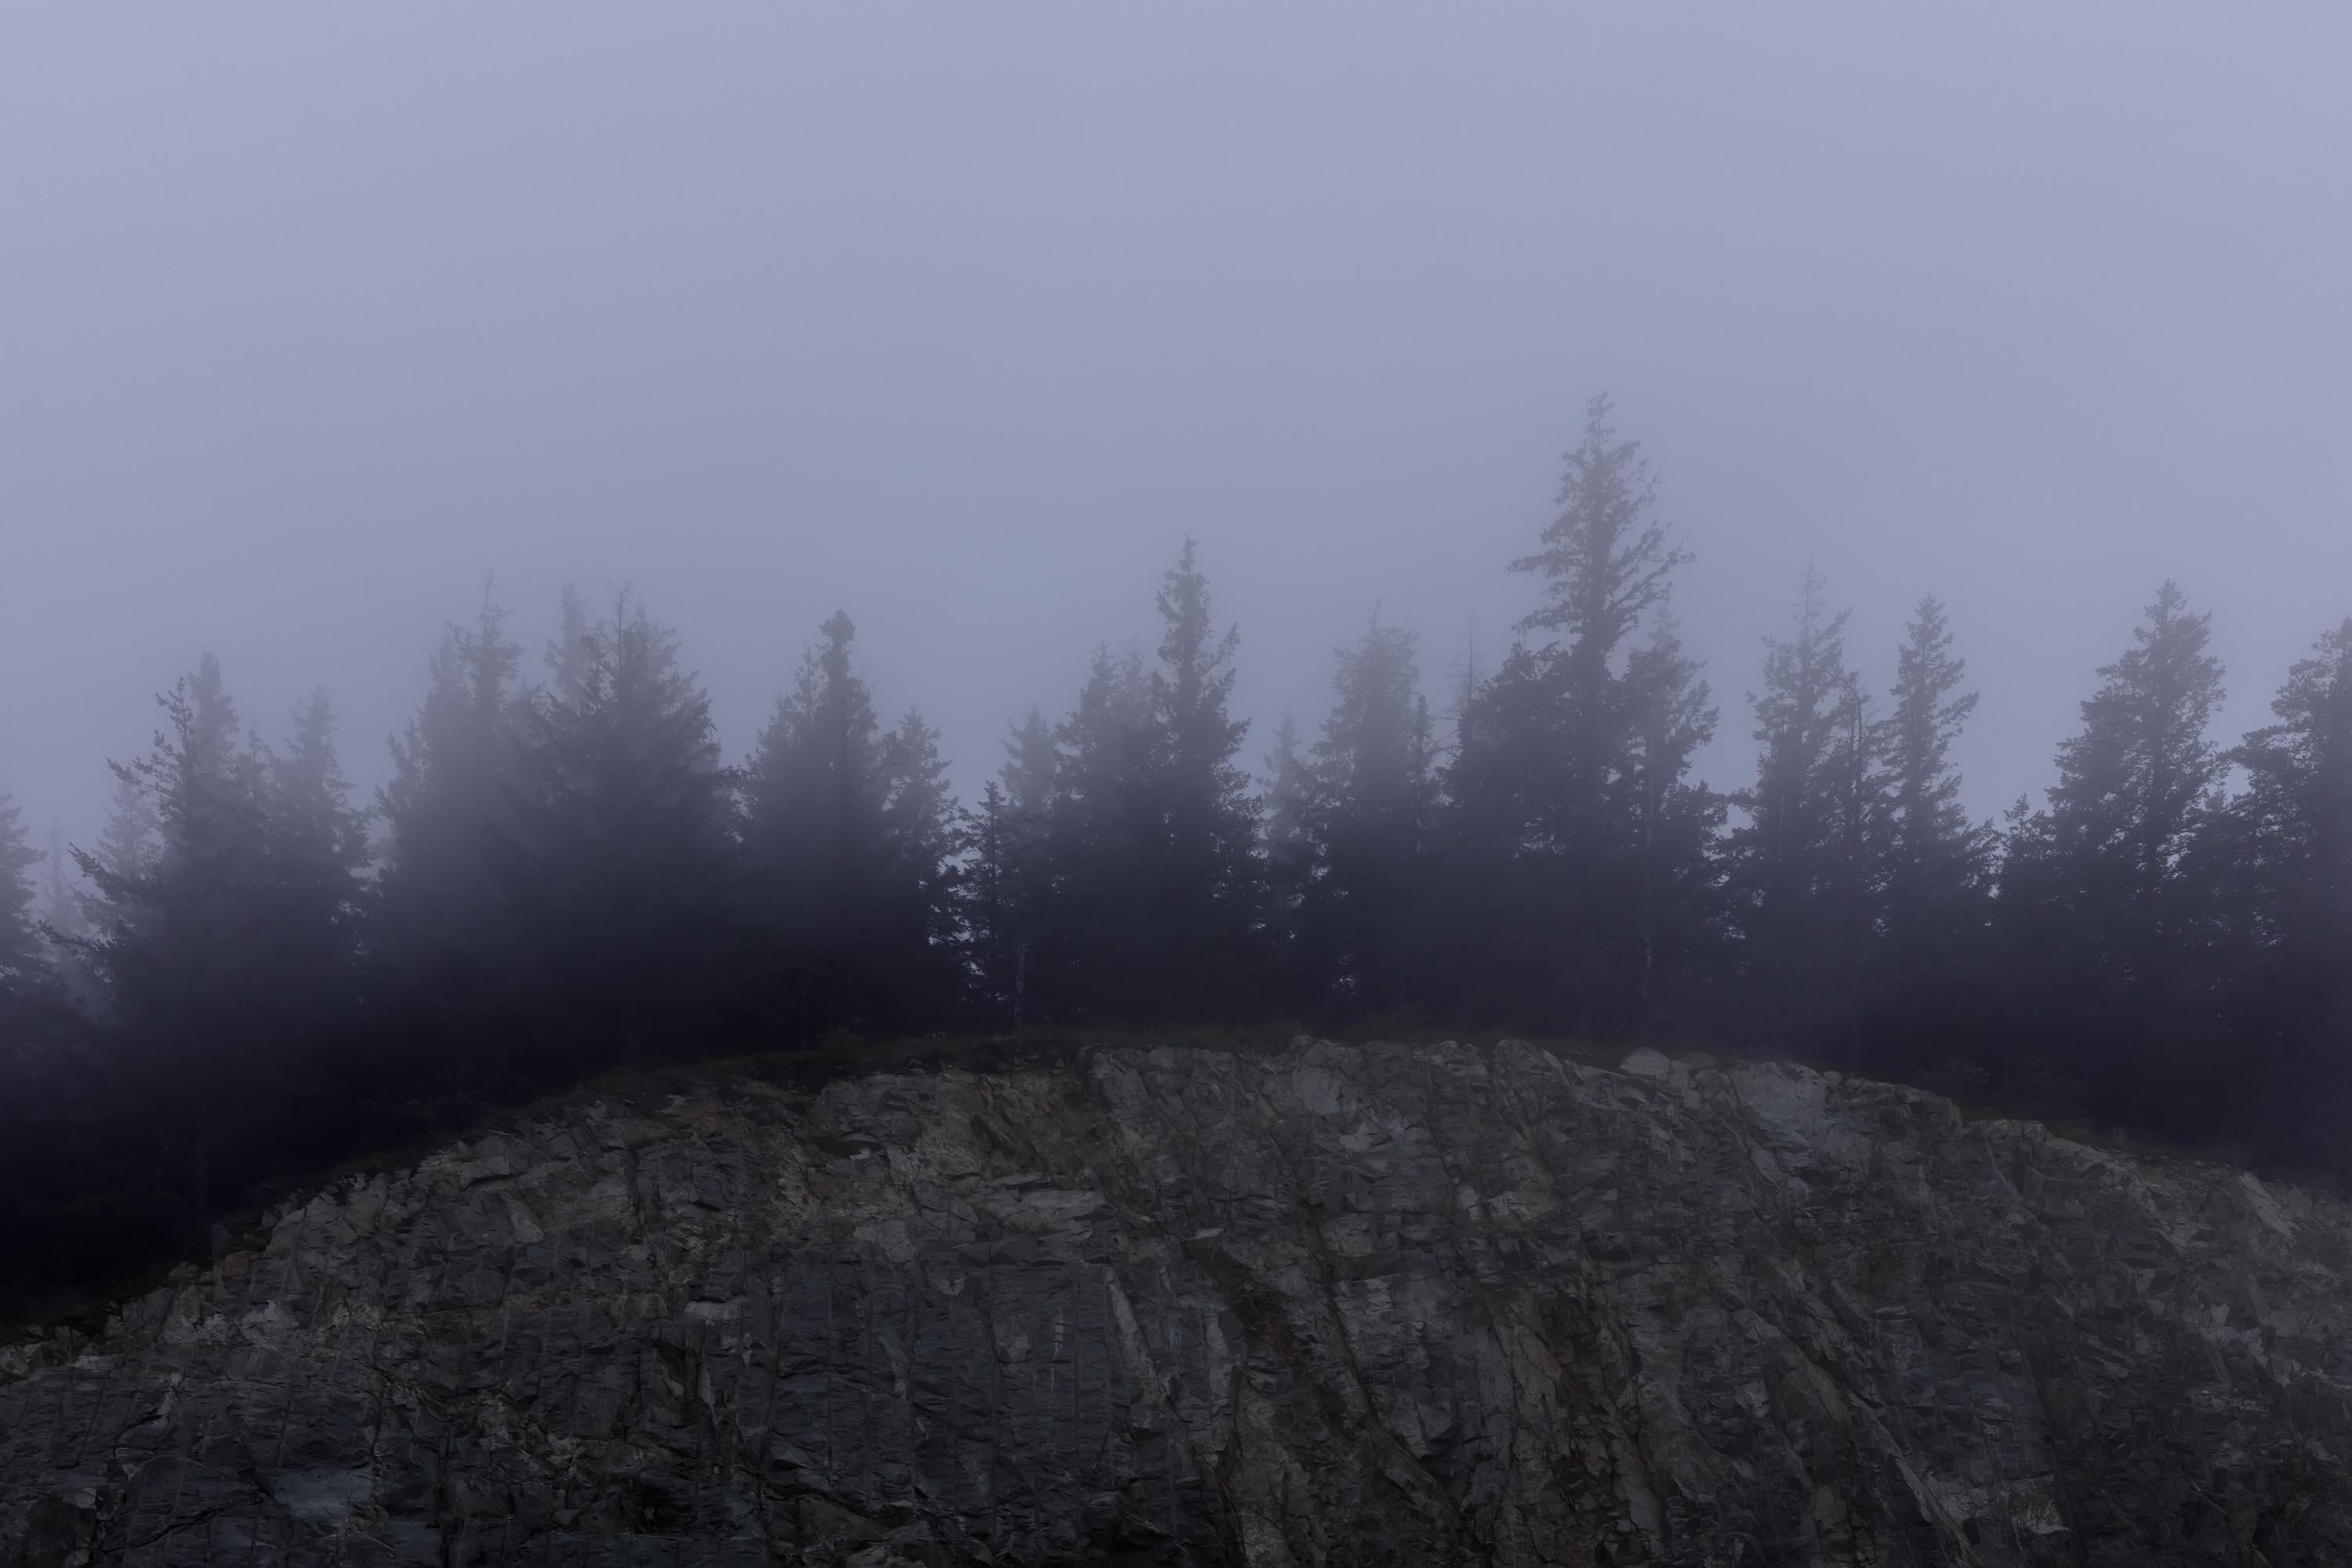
(1410, 1305)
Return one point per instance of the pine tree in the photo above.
(992, 930)
(316, 845)
(1674, 820)
(2280, 860)
(845, 836)
(1935, 858)
(186, 942)
(924, 830)
(1361, 920)
(2101, 934)
(1289, 841)
(618, 854)
(22, 951)
(1031, 786)
(1545, 764)
(1789, 866)
(1094, 958)
(443, 927)
(1208, 897)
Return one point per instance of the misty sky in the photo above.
(959, 318)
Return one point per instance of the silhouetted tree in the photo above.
(2100, 926)
(185, 941)
(1790, 867)
(1095, 959)
(1360, 918)
(21, 948)
(1544, 777)
(849, 837)
(1208, 896)
(1674, 820)
(444, 930)
(2281, 856)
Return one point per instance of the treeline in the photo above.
(250, 974)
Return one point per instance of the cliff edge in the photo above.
(1349, 1305)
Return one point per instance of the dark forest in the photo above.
(251, 975)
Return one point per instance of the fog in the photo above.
(311, 322)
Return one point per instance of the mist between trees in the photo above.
(249, 974)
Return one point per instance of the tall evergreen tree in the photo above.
(1937, 865)
(1208, 897)
(1935, 858)
(1788, 865)
(1361, 919)
(444, 929)
(1288, 830)
(1092, 958)
(1031, 781)
(185, 941)
(993, 935)
(2133, 781)
(617, 856)
(848, 847)
(2282, 858)
(1546, 764)
(21, 948)
(928, 841)
(1674, 819)
(2099, 927)
(316, 848)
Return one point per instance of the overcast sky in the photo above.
(961, 318)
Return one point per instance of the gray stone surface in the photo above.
(1410, 1305)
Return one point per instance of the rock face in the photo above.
(1410, 1305)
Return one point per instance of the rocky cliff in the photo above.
(1413, 1305)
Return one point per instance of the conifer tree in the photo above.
(1790, 865)
(1935, 858)
(1674, 819)
(1031, 783)
(2099, 926)
(1545, 764)
(924, 834)
(21, 948)
(1290, 844)
(1207, 897)
(848, 845)
(1094, 959)
(992, 932)
(316, 849)
(617, 857)
(1360, 923)
(443, 927)
(2280, 860)
(185, 941)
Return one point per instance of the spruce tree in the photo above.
(1360, 923)
(617, 857)
(1674, 820)
(925, 835)
(1094, 959)
(21, 947)
(848, 844)
(1791, 865)
(2099, 927)
(2280, 858)
(1546, 754)
(442, 931)
(1031, 784)
(1207, 897)
(186, 942)
(1289, 841)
